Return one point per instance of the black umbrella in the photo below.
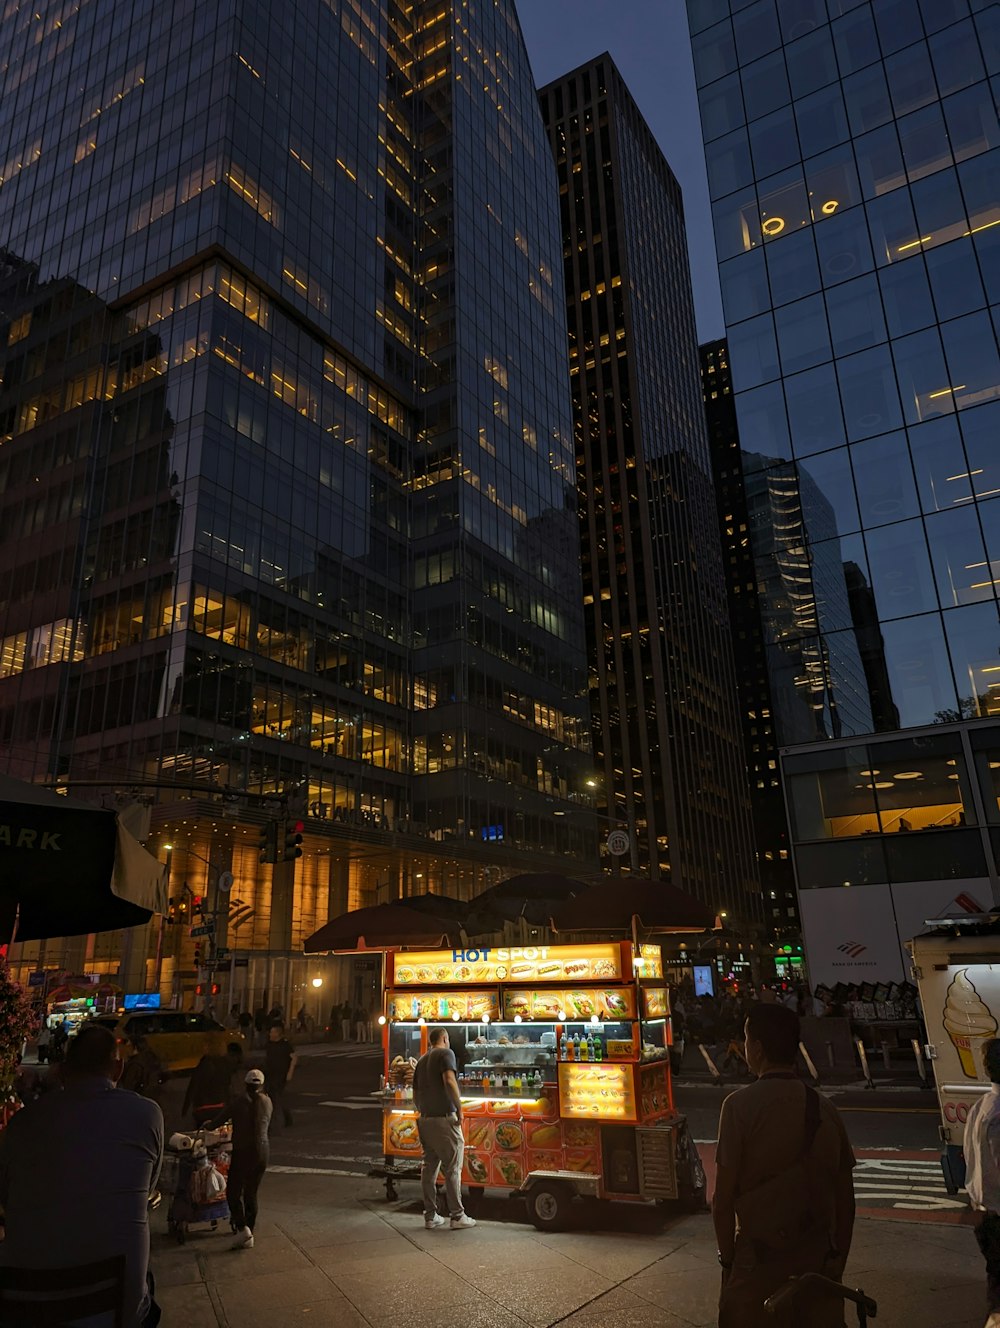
(68, 868)
(383, 927)
(531, 895)
(620, 907)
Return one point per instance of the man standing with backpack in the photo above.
(784, 1170)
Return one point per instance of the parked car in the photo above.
(178, 1037)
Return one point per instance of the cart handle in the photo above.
(789, 1292)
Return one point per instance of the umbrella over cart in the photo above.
(68, 868)
(622, 907)
(384, 927)
(530, 895)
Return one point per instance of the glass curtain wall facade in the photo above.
(663, 700)
(760, 744)
(853, 154)
(286, 469)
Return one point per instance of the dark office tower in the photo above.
(760, 744)
(853, 154)
(663, 703)
(286, 461)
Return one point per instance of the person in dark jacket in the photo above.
(280, 1061)
(211, 1085)
(143, 1072)
(250, 1113)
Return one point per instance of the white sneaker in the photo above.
(436, 1221)
(460, 1223)
(244, 1239)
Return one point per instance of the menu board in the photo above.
(501, 963)
(653, 955)
(399, 1133)
(656, 1002)
(596, 1092)
(610, 1004)
(471, 1005)
(654, 1090)
(501, 1149)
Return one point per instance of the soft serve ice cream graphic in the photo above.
(967, 1021)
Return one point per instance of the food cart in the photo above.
(563, 1070)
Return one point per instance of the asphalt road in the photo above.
(337, 1125)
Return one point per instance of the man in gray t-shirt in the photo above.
(439, 1102)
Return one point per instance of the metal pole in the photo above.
(808, 1060)
(158, 967)
(869, 1082)
(919, 1057)
(885, 1056)
(710, 1063)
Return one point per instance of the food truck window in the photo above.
(654, 1039)
(404, 1040)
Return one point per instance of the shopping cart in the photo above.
(786, 1297)
(183, 1157)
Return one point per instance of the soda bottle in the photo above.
(570, 1048)
(583, 1053)
(563, 1045)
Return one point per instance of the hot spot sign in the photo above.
(541, 963)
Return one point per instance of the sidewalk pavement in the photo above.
(331, 1251)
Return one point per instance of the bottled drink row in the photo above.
(512, 1083)
(582, 1048)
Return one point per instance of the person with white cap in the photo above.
(250, 1114)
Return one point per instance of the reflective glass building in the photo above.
(853, 156)
(737, 510)
(286, 459)
(664, 715)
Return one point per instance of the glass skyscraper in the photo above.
(739, 510)
(664, 714)
(286, 457)
(853, 155)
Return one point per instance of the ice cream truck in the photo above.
(956, 966)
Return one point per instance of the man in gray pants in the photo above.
(439, 1102)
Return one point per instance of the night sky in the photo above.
(650, 45)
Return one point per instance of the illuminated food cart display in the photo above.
(563, 1068)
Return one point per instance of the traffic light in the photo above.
(292, 840)
(197, 956)
(267, 842)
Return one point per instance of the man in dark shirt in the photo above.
(280, 1061)
(439, 1102)
(768, 1131)
(77, 1168)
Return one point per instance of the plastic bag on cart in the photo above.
(207, 1185)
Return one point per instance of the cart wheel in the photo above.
(390, 1191)
(548, 1205)
(474, 1198)
(215, 1223)
(181, 1233)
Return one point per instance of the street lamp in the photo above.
(317, 982)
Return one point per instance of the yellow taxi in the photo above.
(178, 1038)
